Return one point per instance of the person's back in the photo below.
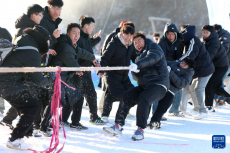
(4, 33)
(196, 50)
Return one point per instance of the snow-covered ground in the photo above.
(177, 135)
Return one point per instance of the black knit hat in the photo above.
(43, 31)
(209, 28)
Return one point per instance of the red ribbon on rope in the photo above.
(55, 105)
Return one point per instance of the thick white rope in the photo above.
(54, 69)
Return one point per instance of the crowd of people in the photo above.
(168, 69)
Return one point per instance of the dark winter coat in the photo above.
(173, 51)
(87, 43)
(179, 77)
(50, 25)
(21, 24)
(116, 54)
(5, 34)
(224, 37)
(12, 84)
(108, 39)
(195, 50)
(216, 50)
(152, 66)
(68, 55)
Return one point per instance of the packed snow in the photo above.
(177, 134)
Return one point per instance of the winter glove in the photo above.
(169, 68)
(133, 67)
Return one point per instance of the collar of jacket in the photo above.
(85, 35)
(123, 41)
(65, 38)
(24, 20)
(47, 16)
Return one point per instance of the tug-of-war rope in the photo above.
(56, 99)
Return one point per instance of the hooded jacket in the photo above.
(14, 83)
(22, 23)
(173, 51)
(216, 50)
(179, 77)
(68, 55)
(116, 54)
(195, 50)
(152, 66)
(224, 37)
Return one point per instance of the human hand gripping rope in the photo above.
(56, 98)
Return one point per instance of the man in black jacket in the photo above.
(118, 52)
(224, 37)
(85, 83)
(180, 75)
(172, 46)
(221, 63)
(195, 50)
(6, 35)
(33, 17)
(151, 74)
(21, 89)
(51, 21)
(66, 57)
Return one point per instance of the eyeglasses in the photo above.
(55, 8)
(40, 15)
(183, 63)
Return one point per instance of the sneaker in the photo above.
(78, 126)
(46, 133)
(138, 134)
(17, 144)
(185, 113)
(98, 121)
(114, 130)
(105, 119)
(193, 112)
(210, 109)
(163, 118)
(66, 124)
(176, 114)
(34, 134)
(200, 116)
(5, 124)
(154, 125)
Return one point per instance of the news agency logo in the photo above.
(218, 141)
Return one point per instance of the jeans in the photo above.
(196, 90)
(176, 103)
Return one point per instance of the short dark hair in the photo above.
(184, 26)
(58, 3)
(34, 9)
(72, 25)
(208, 27)
(217, 27)
(189, 62)
(156, 34)
(85, 19)
(129, 23)
(138, 34)
(128, 29)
